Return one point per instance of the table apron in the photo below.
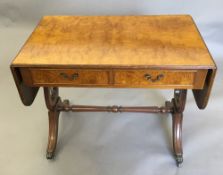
(114, 78)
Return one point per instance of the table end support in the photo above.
(52, 100)
(178, 103)
(55, 106)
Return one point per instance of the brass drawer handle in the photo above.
(151, 79)
(74, 76)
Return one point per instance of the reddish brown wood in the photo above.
(51, 97)
(202, 95)
(55, 106)
(114, 108)
(178, 103)
(27, 94)
(53, 133)
(52, 100)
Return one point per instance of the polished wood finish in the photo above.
(27, 94)
(83, 108)
(178, 103)
(166, 42)
(69, 77)
(164, 51)
(175, 107)
(117, 41)
(141, 78)
(202, 96)
(170, 78)
(52, 100)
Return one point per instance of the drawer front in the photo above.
(160, 78)
(138, 78)
(66, 77)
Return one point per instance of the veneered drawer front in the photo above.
(160, 78)
(67, 77)
(138, 78)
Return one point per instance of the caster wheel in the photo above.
(179, 161)
(49, 155)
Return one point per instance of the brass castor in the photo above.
(179, 160)
(49, 155)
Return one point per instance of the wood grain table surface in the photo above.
(118, 41)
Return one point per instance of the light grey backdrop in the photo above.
(104, 143)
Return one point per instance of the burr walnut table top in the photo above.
(164, 51)
(117, 41)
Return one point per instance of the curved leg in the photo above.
(177, 137)
(52, 100)
(178, 103)
(51, 95)
(53, 132)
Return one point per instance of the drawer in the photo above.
(64, 77)
(160, 78)
(138, 78)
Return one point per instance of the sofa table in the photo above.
(162, 52)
